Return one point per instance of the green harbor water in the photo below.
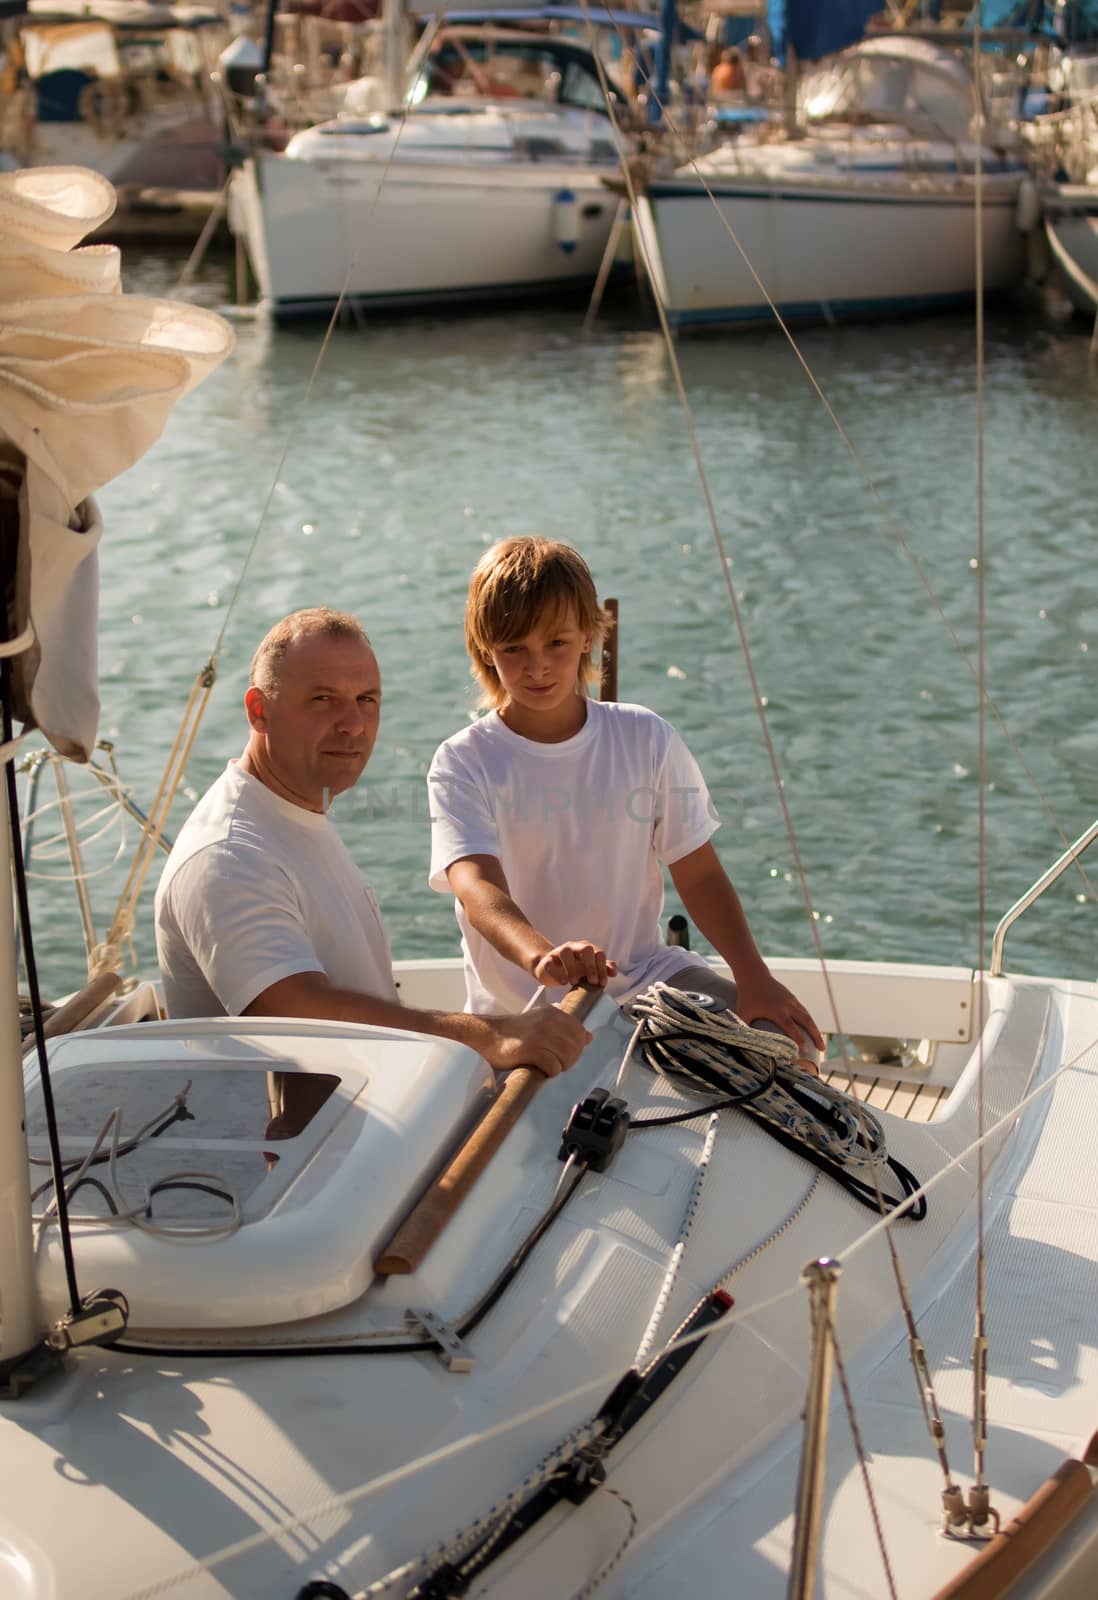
(424, 439)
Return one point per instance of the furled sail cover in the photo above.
(88, 378)
(817, 28)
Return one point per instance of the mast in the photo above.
(18, 1307)
(268, 37)
(393, 53)
(662, 75)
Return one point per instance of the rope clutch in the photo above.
(692, 1036)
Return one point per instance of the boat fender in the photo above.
(1027, 210)
(565, 220)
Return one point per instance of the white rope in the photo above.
(644, 1349)
(128, 1215)
(692, 1036)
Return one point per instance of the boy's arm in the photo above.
(479, 883)
(714, 906)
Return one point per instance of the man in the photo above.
(261, 910)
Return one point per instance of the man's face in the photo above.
(316, 733)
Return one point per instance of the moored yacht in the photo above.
(484, 182)
(869, 209)
(120, 86)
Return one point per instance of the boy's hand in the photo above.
(761, 998)
(575, 961)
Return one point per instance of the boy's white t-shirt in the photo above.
(581, 829)
(257, 889)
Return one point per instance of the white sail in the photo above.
(88, 379)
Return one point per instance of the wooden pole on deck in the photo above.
(428, 1217)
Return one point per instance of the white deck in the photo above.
(177, 1458)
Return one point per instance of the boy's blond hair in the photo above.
(514, 584)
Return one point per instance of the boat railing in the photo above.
(1047, 879)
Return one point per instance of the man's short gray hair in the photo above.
(319, 621)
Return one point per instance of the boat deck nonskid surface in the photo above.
(179, 1457)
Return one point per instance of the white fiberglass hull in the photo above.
(1071, 227)
(212, 1476)
(417, 233)
(823, 250)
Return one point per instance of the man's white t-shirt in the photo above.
(257, 889)
(581, 829)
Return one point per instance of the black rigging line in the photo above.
(20, 879)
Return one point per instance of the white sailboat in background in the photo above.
(119, 86)
(868, 210)
(241, 1384)
(478, 177)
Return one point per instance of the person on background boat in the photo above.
(553, 815)
(261, 911)
(728, 76)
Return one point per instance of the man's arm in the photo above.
(547, 1039)
(714, 906)
(479, 883)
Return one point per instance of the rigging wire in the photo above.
(718, 539)
(31, 966)
(978, 1509)
(734, 603)
(870, 485)
(920, 1367)
(831, 1332)
(107, 954)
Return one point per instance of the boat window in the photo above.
(492, 68)
(471, 67)
(581, 88)
(537, 148)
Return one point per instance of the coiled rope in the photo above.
(692, 1036)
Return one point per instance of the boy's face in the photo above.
(540, 672)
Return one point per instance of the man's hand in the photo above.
(547, 1039)
(574, 961)
(761, 998)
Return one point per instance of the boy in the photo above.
(551, 816)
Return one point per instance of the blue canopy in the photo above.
(1076, 21)
(817, 28)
